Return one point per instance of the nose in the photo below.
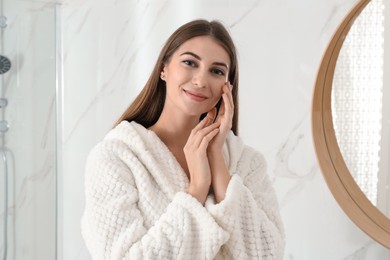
(199, 78)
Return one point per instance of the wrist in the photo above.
(215, 153)
(220, 184)
(216, 161)
(199, 192)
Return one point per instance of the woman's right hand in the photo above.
(195, 152)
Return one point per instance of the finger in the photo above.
(198, 137)
(209, 118)
(206, 140)
(205, 125)
(228, 104)
(200, 125)
(229, 93)
(212, 113)
(226, 115)
(205, 131)
(224, 91)
(222, 107)
(230, 99)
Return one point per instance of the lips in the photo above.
(195, 96)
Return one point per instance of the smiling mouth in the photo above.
(195, 96)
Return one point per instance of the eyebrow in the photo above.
(197, 57)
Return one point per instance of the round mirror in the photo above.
(350, 119)
(359, 111)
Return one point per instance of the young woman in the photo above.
(172, 180)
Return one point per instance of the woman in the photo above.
(172, 180)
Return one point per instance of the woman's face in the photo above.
(195, 75)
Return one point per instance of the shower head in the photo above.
(5, 64)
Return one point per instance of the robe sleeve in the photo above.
(113, 226)
(250, 214)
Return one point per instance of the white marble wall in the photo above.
(109, 48)
(30, 88)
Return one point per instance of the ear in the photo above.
(163, 73)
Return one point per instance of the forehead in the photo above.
(206, 48)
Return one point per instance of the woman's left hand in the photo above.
(225, 118)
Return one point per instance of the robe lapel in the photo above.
(158, 160)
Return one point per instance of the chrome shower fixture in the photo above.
(4, 126)
(3, 102)
(3, 21)
(5, 64)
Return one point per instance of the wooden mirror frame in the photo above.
(340, 181)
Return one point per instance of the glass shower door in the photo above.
(28, 160)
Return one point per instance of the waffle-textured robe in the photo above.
(137, 206)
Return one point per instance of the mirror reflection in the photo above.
(359, 108)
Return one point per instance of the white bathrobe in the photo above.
(137, 206)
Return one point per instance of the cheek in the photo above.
(216, 99)
(180, 74)
(217, 91)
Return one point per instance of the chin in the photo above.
(196, 111)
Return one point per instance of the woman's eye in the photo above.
(189, 63)
(218, 72)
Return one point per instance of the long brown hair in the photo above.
(148, 105)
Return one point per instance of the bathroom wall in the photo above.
(30, 143)
(109, 49)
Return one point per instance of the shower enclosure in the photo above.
(28, 127)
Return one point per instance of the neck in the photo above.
(174, 128)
